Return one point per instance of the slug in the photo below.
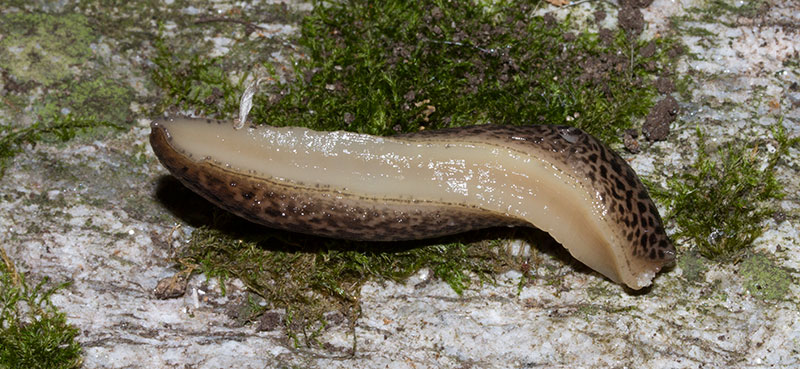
(427, 184)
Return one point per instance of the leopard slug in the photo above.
(427, 184)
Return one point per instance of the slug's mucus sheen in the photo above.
(427, 184)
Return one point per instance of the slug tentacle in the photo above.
(427, 184)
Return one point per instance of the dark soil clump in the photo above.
(656, 125)
(631, 20)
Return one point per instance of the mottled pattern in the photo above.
(630, 209)
(326, 212)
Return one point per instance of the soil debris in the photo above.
(630, 141)
(664, 85)
(656, 125)
(171, 287)
(631, 20)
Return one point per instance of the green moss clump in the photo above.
(764, 279)
(33, 333)
(397, 66)
(721, 202)
(194, 82)
(309, 276)
(101, 98)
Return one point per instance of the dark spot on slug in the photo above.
(615, 166)
(273, 212)
(630, 179)
(620, 185)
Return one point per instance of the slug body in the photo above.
(428, 184)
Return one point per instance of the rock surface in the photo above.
(88, 213)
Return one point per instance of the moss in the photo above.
(193, 82)
(404, 66)
(722, 12)
(720, 203)
(747, 9)
(587, 310)
(140, 157)
(719, 293)
(693, 266)
(396, 66)
(101, 98)
(684, 86)
(33, 333)
(41, 47)
(764, 279)
(598, 290)
(57, 128)
(308, 276)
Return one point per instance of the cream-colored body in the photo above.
(520, 185)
